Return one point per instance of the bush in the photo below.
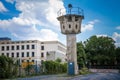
(84, 70)
(54, 67)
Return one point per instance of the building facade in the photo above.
(32, 50)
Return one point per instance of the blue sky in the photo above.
(36, 19)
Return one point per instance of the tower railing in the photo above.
(70, 11)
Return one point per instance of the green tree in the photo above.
(100, 50)
(8, 68)
(117, 52)
(81, 56)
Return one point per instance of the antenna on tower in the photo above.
(70, 7)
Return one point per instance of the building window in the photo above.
(12, 54)
(27, 54)
(22, 61)
(2, 54)
(33, 61)
(42, 54)
(33, 54)
(17, 54)
(33, 46)
(22, 47)
(69, 26)
(27, 60)
(22, 54)
(2, 48)
(7, 54)
(7, 47)
(12, 47)
(28, 47)
(42, 47)
(17, 47)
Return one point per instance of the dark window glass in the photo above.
(69, 26)
(17, 54)
(7, 54)
(28, 47)
(27, 60)
(3, 54)
(22, 47)
(22, 54)
(33, 46)
(2, 48)
(27, 54)
(33, 54)
(76, 26)
(22, 60)
(42, 54)
(12, 47)
(17, 47)
(42, 47)
(12, 54)
(7, 47)
(33, 61)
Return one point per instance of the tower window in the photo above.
(76, 26)
(63, 27)
(69, 26)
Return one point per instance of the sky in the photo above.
(37, 19)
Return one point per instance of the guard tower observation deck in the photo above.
(70, 19)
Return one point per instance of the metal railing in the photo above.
(71, 11)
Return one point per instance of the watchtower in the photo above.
(70, 23)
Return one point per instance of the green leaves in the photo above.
(7, 67)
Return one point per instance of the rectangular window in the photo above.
(12, 47)
(2, 48)
(22, 61)
(22, 54)
(27, 60)
(42, 54)
(33, 46)
(17, 54)
(22, 47)
(33, 54)
(42, 47)
(27, 54)
(28, 47)
(7, 47)
(2, 54)
(33, 61)
(17, 47)
(7, 54)
(12, 54)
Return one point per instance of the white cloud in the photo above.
(118, 27)
(116, 37)
(89, 26)
(103, 35)
(2, 7)
(42, 13)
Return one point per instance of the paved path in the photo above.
(98, 76)
(95, 76)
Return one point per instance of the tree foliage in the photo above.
(53, 67)
(100, 50)
(81, 56)
(8, 67)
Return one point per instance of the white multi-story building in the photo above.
(32, 50)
